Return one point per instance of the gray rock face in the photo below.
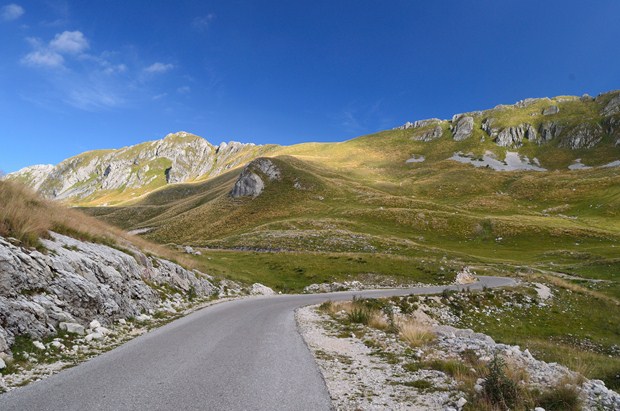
(429, 135)
(418, 124)
(551, 110)
(549, 130)
(250, 183)
(583, 136)
(176, 158)
(510, 137)
(487, 126)
(78, 281)
(462, 127)
(613, 107)
(513, 136)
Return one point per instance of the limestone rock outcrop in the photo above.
(75, 282)
(584, 135)
(462, 127)
(176, 158)
(513, 136)
(251, 181)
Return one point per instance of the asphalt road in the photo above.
(239, 355)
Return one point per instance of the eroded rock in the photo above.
(584, 135)
(462, 127)
(75, 282)
(250, 182)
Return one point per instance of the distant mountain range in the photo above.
(535, 134)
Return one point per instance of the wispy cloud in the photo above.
(43, 58)
(11, 12)
(69, 42)
(184, 90)
(363, 117)
(201, 23)
(51, 55)
(158, 68)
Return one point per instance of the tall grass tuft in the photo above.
(26, 216)
(415, 333)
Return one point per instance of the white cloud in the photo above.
(202, 22)
(11, 12)
(157, 68)
(93, 98)
(70, 42)
(184, 90)
(114, 68)
(43, 58)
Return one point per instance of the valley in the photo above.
(529, 191)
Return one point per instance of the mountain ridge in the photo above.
(560, 132)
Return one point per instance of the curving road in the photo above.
(240, 355)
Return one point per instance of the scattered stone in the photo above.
(143, 318)
(93, 336)
(2, 364)
(39, 345)
(465, 276)
(94, 324)
(73, 328)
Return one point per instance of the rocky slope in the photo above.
(368, 367)
(568, 122)
(131, 171)
(557, 132)
(76, 282)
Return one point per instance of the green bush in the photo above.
(359, 315)
(498, 388)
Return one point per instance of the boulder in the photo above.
(462, 127)
(551, 110)
(73, 328)
(94, 324)
(143, 318)
(93, 336)
(260, 289)
(250, 182)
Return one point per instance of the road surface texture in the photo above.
(239, 355)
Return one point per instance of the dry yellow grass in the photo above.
(414, 332)
(27, 217)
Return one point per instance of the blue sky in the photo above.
(78, 75)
